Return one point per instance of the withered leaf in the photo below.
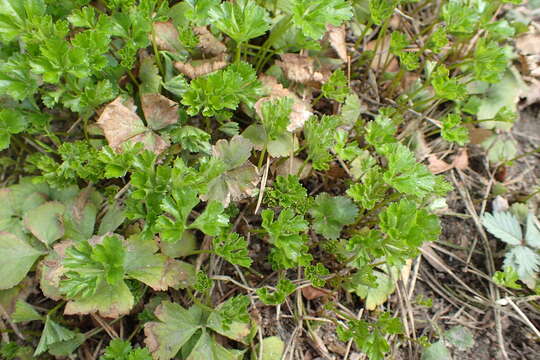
(301, 68)
(166, 36)
(121, 124)
(201, 67)
(159, 111)
(336, 37)
(208, 42)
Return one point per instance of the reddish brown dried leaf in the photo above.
(301, 68)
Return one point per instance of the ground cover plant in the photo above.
(176, 174)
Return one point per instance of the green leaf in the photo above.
(24, 312)
(532, 236)
(241, 20)
(111, 255)
(290, 247)
(436, 351)
(460, 19)
(16, 14)
(507, 278)
(284, 288)
(287, 192)
(351, 109)
(175, 326)
(19, 257)
(316, 273)
(371, 191)
(503, 225)
(330, 214)
(275, 116)
(192, 139)
(16, 78)
(500, 149)
(231, 319)
(53, 333)
(336, 87)
(109, 300)
(149, 75)
(407, 227)
(490, 61)
(453, 131)
(320, 138)
(233, 248)
(445, 87)
(178, 205)
(381, 10)
(460, 337)
(525, 260)
(11, 122)
(313, 17)
(207, 348)
(119, 349)
(223, 90)
(212, 221)
(113, 218)
(45, 222)
(273, 348)
(408, 176)
(198, 11)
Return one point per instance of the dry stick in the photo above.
(4, 313)
(523, 316)
(494, 290)
(108, 329)
(263, 184)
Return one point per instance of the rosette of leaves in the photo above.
(523, 251)
(97, 273)
(240, 178)
(189, 332)
(34, 217)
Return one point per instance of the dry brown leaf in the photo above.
(478, 135)
(437, 166)
(208, 42)
(432, 257)
(166, 36)
(380, 57)
(159, 111)
(528, 44)
(310, 292)
(121, 124)
(201, 67)
(461, 161)
(301, 68)
(336, 37)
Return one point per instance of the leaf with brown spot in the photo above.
(301, 68)
(208, 42)
(159, 111)
(166, 36)
(199, 68)
(336, 37)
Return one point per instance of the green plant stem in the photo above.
(156, 53)
(238, 52)
(261, 157)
